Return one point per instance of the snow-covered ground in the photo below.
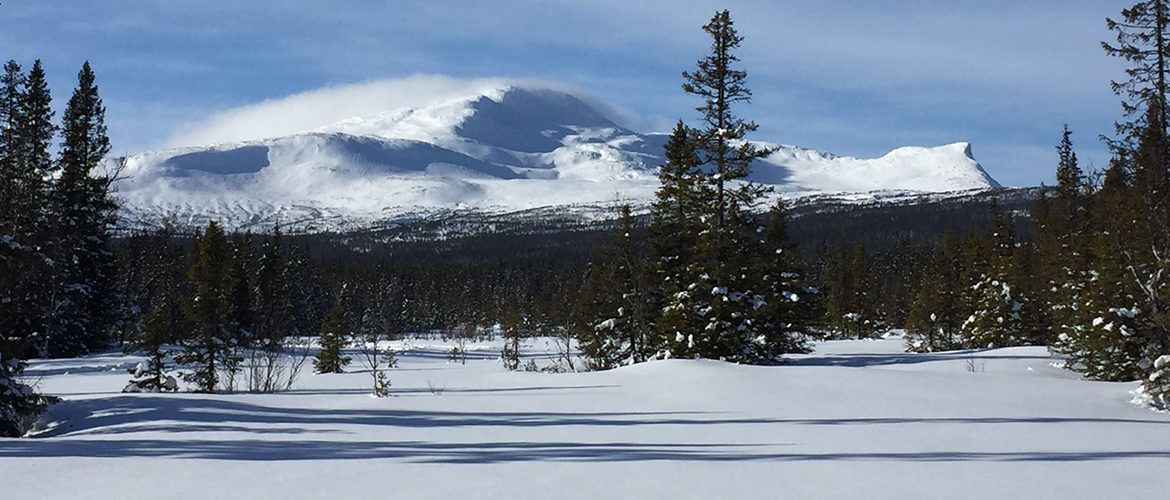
(858, 419)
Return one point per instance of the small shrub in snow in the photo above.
(379, 360)
(151, 374)
(381, 384)
(1156, 387)
(510, 354)
(150, 377)
(20, 405)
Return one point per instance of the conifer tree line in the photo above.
(1093, 283)
(223, 308)
(58, 294)
(708, 272)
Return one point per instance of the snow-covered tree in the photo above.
(514, 324)
(20, 405)
(1102, 320)
(788, 306)
(153, 374)
(992, 296)
(680, 234)
(706, 228)
(26, 131)
(619, 304)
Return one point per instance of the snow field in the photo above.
(855, 419)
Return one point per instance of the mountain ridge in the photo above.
(509, 149)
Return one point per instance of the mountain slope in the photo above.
(505, 150)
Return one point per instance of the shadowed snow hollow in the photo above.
(506, 150)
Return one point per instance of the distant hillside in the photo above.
(508, 150)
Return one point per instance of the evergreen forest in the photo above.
(713, 268)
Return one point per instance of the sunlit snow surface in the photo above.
(509, 149)
(856, 419)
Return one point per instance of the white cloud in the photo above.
(318, 108)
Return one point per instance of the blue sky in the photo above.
(850, 77)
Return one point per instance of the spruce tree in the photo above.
(25, 240)
(15, 202)
(274, 315)
(1143, 40)
(1070, 178)
(19, 403)
(714, 310)
(17, 247)
(1137, 218)
(619, 303)
(851, 305)
(719, 143)
(334, 338)
(86, 299)
(513, 324)
(24, 141)
(210, 346)
(680, 239)
(993, 297)
(790, 306)
(153, 271)
(1142, 149)
(1063, 245)
(152, 375)
(1029, 274)
(1102, 332)
(936, 314)
(36, 131)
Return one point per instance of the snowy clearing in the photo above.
(856, 419)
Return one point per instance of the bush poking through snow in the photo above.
(510, 354)
(379, 360)
(1156, 387)
(20, 405)
(149, 376)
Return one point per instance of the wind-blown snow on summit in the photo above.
(509, 149)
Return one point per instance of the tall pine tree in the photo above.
(86, 298)
(713, 292)
(680, 235)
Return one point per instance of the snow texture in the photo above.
(854, 420)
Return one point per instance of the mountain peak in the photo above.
(504, 148)
(512, 117)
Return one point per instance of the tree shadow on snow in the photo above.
(511, 452)
(97, 423)
(867, 360)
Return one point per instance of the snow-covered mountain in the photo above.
(511, 149)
